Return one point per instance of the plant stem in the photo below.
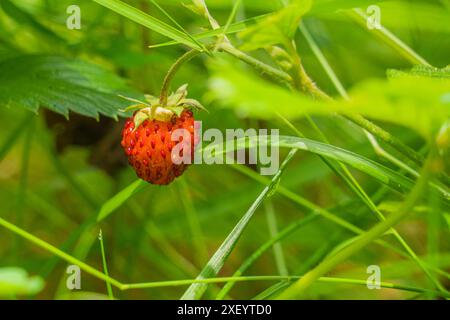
(57, 252)
(122, 286)
(258, 65)
(172, 71)
(270, 278)
(224, 44)
(302, 80)
(386, 137)
(306, 83)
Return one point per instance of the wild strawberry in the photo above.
(147, 137)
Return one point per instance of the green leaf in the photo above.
(319, 6)
(277, 28)
(116, 201)
(412, 101)
(15, 281)
(253, 97)
(417, 102)
(148, 21)
(215, 264)
(421, 71)
(62, 85)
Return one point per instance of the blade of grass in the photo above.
(343, 172)
(389, 38)
(433, 232)
(323, 61)
(120, 198)
(79, 234)
(81, 249)
(57, 252)
(297, 288)
(169, 250)
(273, 231)
(105, 266)
(217, 261)
(148, 21)
(270, 278)
(194, 224)
(360, 192)
(230, 19)
(157, 235)
(99, 275)
(387, 176)
(263, 248)
(48, 210)
(323, 212)
(272, 290)
(179, 26)
(233, 28)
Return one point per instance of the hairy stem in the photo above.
(172, 71)
(386, 137)
(258, 65)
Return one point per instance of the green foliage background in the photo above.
(338, 186)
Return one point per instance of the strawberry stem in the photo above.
(171, 73)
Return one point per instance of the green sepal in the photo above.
(141, 116)
(194, 104)
(151, 109)
(138, 104)
(151, 99)
(175, 98)
(178, 110)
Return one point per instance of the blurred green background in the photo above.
(58, 172)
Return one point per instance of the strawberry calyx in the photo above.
(153, 109)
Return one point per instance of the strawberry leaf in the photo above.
(61, 85)
(277, 28)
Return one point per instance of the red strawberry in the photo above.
(147, 137)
